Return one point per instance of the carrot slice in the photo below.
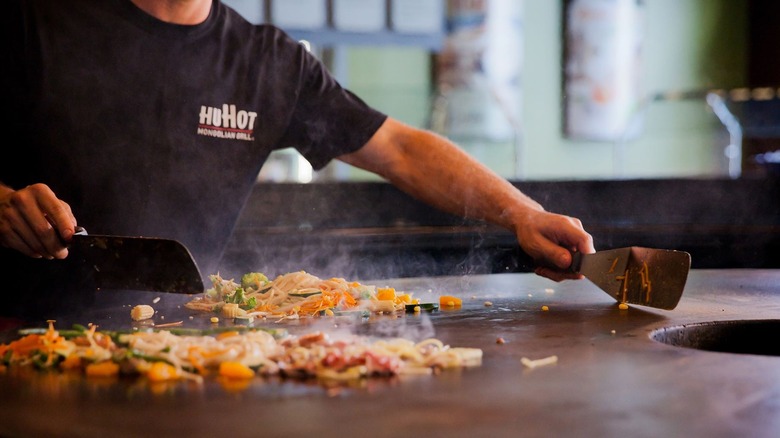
(102, 369)
(450, 301)
(235, 370)
(385, 293)
(161, 371)
(403, 298)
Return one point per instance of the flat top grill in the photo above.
(611, 378)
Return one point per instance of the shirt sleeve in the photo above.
(328, 120)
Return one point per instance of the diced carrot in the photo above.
(235, 370)
(195, 355)
(385, 293)
(71, 362)
(228, 334)
(404, 298)
(102, 369)
(161, 371)
(450, 301)
(26, 345)
(349, 300)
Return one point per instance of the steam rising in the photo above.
(417, 328)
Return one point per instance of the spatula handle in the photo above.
(576, 261)
(80, 231)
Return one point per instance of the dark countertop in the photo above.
(373, 230)
(611, 378)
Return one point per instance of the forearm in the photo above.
(463, 186)
(434, 170)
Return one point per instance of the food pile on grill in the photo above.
(299, 294)
(233, 353)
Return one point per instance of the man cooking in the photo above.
(154, 117)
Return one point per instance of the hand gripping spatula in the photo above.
(636, 275)
(138, 263)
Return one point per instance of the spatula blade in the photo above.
(139, 263)
(636, 275)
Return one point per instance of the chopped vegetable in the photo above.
(404, 298)
(385, 293)
(231, 310)
(422, 306)
(142, 312)
(236, 354)
(383, 306)
(227, 334)
(295, 295)
(161, 372)
(244, 319)
(450, 301)
(348, 313)
(102, 369)
(254, 280)
(235, 370)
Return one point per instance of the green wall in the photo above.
(689, 45)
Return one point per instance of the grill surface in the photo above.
(611, 378)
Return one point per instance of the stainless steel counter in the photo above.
(611, 378)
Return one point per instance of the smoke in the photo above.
(416, 328)
(360, 255)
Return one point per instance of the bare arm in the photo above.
(35, 222)
(432, 169)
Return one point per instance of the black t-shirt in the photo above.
(153, 129)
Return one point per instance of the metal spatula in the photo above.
(636, 275)
(138, 263)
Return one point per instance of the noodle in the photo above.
(294, 295)
(194, 357)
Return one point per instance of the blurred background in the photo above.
(655, 122)
(554, 89)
